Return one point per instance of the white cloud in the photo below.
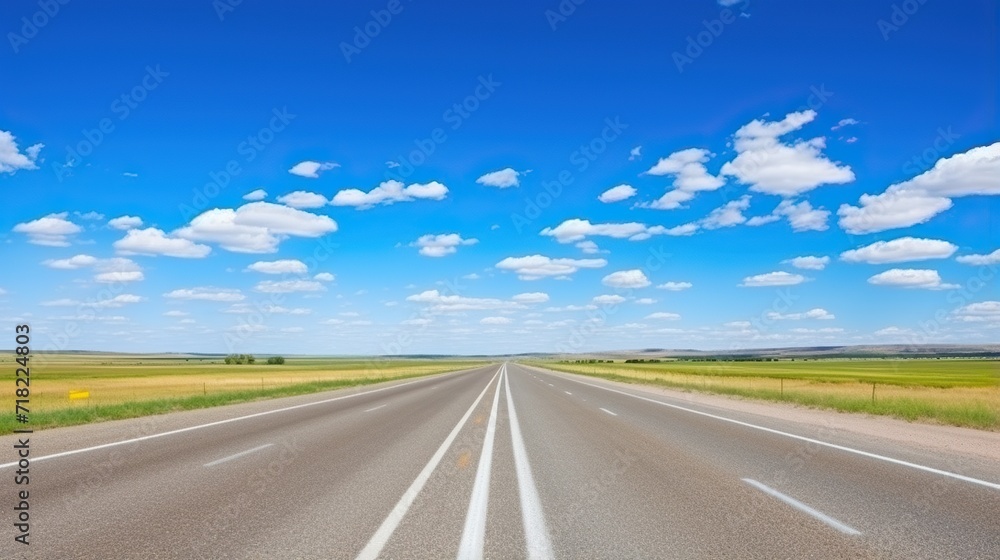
(983, 311)
(11, 158)
(675, 286)
(634, 278)
(801, 216)
(419, 322)
(738, 324)
(588, 247)
(125, 222)
(303, 199)
(324, 277)
(206, 294)
(115, 302)
(471, 276)
(577, 230)
(690, 177)
(895, 332)
(116, 276)
(256, 227)
(919, 199)
(809, 262)
(904, 249)
(89, 215)
(389, 192)
(502, 179)
(773, 279)
(608, 299)
(727, 215)
(664, 315)
(980, 260)
(771, 166)
(311, 169)
(152, 241)
(441, 303)
(617, 194)
(534, 267)
(441, 245)
(645, 301)
(817, 313)
(635, 153)
(531, 297)
(911, 278)
(288, 286)
(255, 195)
(494, 321)
(53, 230)
(844, 122)
(72, 263)
(684, 229)
(129, 174)
(283, 266)
(176, 313)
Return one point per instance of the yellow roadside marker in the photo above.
(74, 395)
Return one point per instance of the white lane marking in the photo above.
(536, 534)
(385, 530)
(870, 455)
(550, 385)
(237, 455)
(376, 408)
(609, 412)
(803, 508)
(567, 392)
(220, 422)
(474, 533)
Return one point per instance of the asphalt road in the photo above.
(498, 462)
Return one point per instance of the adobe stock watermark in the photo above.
(32, 25)
(562, 12)
(366, 33)
(898, 17)
(713, 29)
(248, 149)
(121, 108)
(454, 116)
(580, 160)
(926, 159)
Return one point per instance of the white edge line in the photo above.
(221, 422)
(237, 455)
(567, 392)
(843, 528)
(870, 455)
(536, 534)
(474, 532)
(376, 408)
(385, 530)
(609, 412)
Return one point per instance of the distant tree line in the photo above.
(586, 361)
(276, 360)
(240, 359)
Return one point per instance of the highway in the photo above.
(504, 461)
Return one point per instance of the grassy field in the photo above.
(961, 392)
(121, 386)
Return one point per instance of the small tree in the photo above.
(275, 360)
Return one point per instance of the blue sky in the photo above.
(407, 177)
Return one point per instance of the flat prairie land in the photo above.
(957, 391)
(123, 386)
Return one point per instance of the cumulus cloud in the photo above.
(389, 192)
(728, 215)
(255, 195)
(675, 286)
(283, 266)
(801, 216)
(645, 301)
(608, 299)
(118, 270)
(635, 153)
(634, 278)
(588, 247)
(501, 179)
(980, 260)
(206, 294)
(904, 249)
(577, 230)
(72, 263)
(53, 230)
(664, 316)
(12, 159)
(818, 313)
(771, 166)
(125, 222)
(441, 245)
(690, 177)
(303, 199)
(324, 277)
(911, 278)
(152, 241)
(441, 303)
(531, 297)
(257, 227)
(983, 311)
(809, 262)
(617, 194)
(780, 278)
(534, 267)
(311, 169)
(844, 122)
(494, 321)
(288, 286)
(919, 199)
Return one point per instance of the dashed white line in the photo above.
(844, 448)
(803, 507)
(474, 532)
(376, 408)
(567, 392)
(385, 530)
(237, 455)
(609, 412)
(536, 534)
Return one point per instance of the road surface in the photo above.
(505, 461)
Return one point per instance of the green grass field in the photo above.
(121, 386)
(961, 392)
